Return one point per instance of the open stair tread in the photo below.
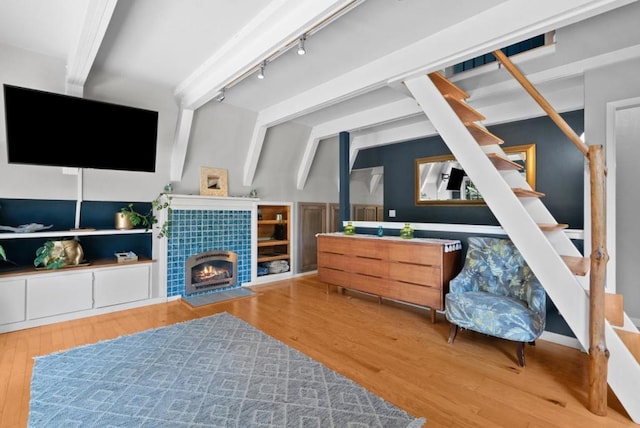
(614, 309)
(464, 111)
(502, 163)
(631, 339)
(578, 265)
(446, 87)
(547, 227)
(482, 136)
(527, 193)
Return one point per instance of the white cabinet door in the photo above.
(12, 301)
(58, 293)
(121, 285)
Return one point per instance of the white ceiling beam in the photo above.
(364, 119)
(307, 159)
(575, 68)
(387, 136)
(181, 143)
(273, 29)
(90, 35)
(525, 19)
(376, 177)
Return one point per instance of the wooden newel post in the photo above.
(598, 352)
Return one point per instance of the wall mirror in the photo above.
(441, 180)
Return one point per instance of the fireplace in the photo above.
(210, 270)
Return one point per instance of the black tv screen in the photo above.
(455, 179)
(44, 128)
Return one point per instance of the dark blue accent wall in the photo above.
(61, 215)
(559, 166)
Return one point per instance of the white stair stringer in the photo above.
(541, 250)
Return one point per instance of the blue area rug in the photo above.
(217, 371)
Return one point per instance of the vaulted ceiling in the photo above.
(358, 53)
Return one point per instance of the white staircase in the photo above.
(540, 238)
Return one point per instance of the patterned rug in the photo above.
(217, 371)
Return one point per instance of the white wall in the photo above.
(23, 68)
(605, 85)
(628, 202)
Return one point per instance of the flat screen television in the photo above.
(45, 128)
(456, 175)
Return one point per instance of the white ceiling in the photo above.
(354, 62)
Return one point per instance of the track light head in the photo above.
(222, 96)
(301, 49)
(261, 72)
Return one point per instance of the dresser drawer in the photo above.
(331, 244)
(418, 294)
(335, 277)
(371, 284)
(415, 253)
(416, 274)
(369, 247)
(334, 261)
(369, 266)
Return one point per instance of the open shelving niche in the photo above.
(274, 239)
(61, 234)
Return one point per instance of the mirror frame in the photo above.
(529, 166)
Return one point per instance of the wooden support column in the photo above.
(598, 352)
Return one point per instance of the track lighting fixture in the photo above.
(301, 49)
(221, 97)
(261, 73)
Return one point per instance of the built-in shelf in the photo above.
(75, 232)
(272, 258)
(272, 243)
(273, 235)
(265, 222)
(92, 264)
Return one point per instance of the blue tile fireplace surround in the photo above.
(194, 231)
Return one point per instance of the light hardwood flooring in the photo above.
(391, 349)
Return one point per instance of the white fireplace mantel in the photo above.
(194, 202)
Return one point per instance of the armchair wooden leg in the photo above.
(520, 353)
(453, 331)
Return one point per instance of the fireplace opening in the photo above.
(210, 270)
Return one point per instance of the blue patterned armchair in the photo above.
(496, 293)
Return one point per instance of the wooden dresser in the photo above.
(408, 270)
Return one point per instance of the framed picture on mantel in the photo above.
(213, 181)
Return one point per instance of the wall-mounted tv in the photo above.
(45, 128)
(455, 179)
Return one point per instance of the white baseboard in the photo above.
(561, 339)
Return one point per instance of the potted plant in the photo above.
(3, 255)
(56, 254)
(128, 217)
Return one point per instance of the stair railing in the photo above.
(598, 352)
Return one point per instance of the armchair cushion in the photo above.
(496, 293)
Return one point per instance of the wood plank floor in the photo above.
(393, 350)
